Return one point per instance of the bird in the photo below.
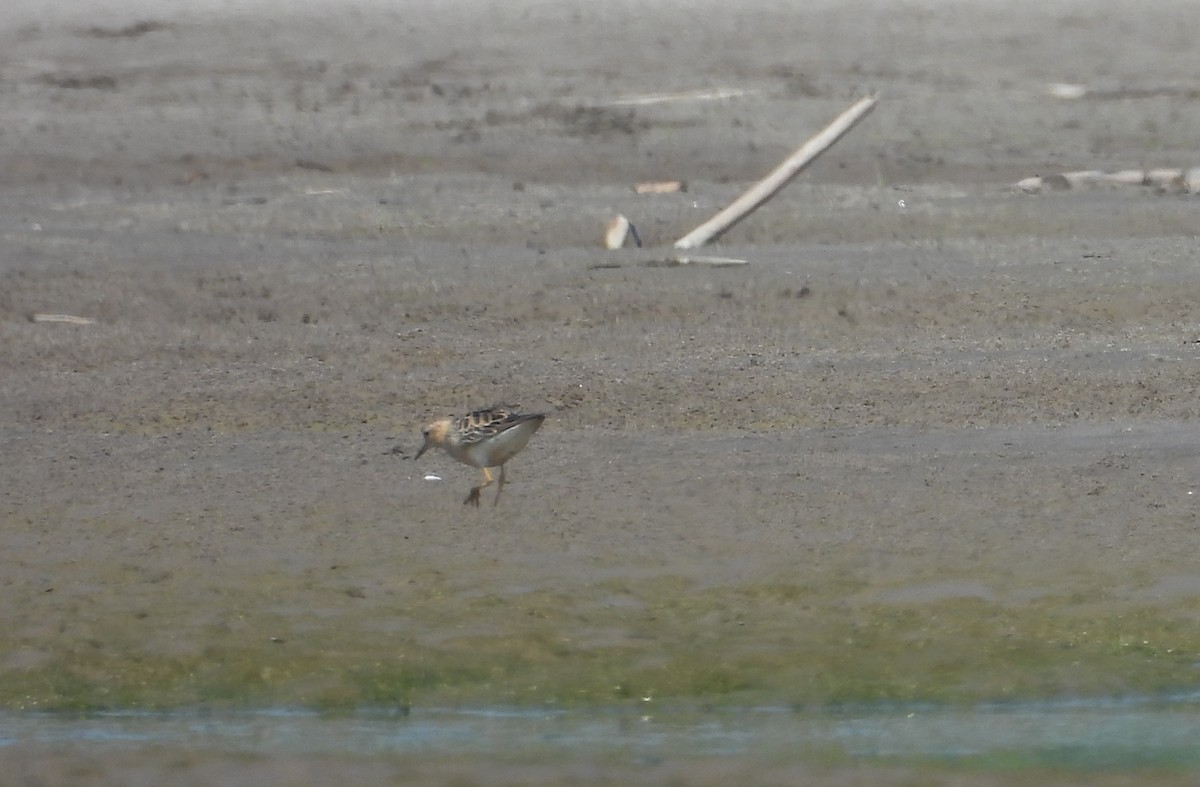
(485, 439)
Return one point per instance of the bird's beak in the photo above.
(424, 448)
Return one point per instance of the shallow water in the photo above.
(1081, 734)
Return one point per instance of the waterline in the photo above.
(1078, 734)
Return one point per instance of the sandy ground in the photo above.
(303, 234)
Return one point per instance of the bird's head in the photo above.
(435, 435)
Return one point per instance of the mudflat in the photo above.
(937, 441)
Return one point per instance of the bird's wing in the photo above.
(483, 424)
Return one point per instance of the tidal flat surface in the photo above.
(934, 446)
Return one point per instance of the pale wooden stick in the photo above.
(678, 261)
(693, 259)
(713, 94)
(766, 188)
(660, 187)
(1187, 180)
(71, 318)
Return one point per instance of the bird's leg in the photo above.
(500, 488)
(473, 495)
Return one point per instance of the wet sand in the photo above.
(937, 441)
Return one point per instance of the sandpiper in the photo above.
(483, 439)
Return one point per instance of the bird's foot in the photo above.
(472, 498)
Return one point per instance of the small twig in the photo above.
(704, 94)
(680, 259)
(1183, 180)
(660, 187)
(1071, 91)
(63, 318)
(676, 262)
(766, 188)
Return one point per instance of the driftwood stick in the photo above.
(1173, 180)
(766, 188)
(677, 261)
(707, 94)
(69, 318)
(692, 259)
